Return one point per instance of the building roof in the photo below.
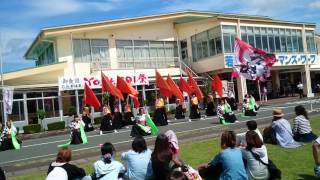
(178, 17)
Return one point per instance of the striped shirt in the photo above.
(301, 125)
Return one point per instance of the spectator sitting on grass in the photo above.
(316, 156)
(301, 126)
(137, 159)
(161, 158)
(255, 169)
(230, 158)
(107, 168)
(283, 130)
(62, 170)
(252, 126)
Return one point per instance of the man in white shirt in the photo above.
(300, 89)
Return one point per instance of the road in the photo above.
(35, 149)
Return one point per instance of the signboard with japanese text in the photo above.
(94, 82)
(282, 59)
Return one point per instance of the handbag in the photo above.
(274, 172)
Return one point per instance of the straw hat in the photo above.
(277, 113)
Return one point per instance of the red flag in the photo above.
(89, 98)
(107, 86)
(251, 63)
(174, 88)
(135, 101)
(216, 84)
(162, 85)
(184, 86)
(125, 87)
(194, 86)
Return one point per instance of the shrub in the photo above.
(56, 125)
(32, 128)
(97, 120)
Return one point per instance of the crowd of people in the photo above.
(242, 156)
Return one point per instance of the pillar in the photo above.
(113, 53)
(306, 80)
(25, 108)
(77, 101)
(242, 88)
(60, 105)
(275, 82)
(143, 95)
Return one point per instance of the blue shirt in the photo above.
(137, 164)
(111, 170)
(232, 164)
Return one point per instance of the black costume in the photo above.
(88, 125)
(117, 120)
(179, 112)
(210, 111)
(72, 171)
(75, 133)
(106, 123)
(160, 115)
(194, 109)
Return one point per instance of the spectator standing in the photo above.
(300, 89)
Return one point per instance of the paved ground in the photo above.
(39, 150)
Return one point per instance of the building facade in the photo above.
(134, 47)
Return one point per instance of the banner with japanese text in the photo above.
(94, 82)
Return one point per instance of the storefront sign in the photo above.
(94, 82)
(282, 59)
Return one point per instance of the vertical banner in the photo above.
(7, 99)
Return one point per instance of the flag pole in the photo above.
(258, 83)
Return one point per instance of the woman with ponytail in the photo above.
(107, 168)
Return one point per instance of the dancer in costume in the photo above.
(128, 116)
(210, 111)
(140, 128)
(252, 102)
(160, 114)
(86, 119)
(248, 109)
(78, 135)
(179, 110)
(225, 113)
(232, 100)
(117, 118)
(106, 122)
(8, 137)
(194, 109)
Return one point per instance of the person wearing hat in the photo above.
(283, 130)
(87, 120)
(179, 110)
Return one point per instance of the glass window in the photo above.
(283, 44)
(265, 43)
(258, 41)
(250, 30)
(243, 29)
(277, 43)
(251, 39)
(227, 43)
(229, 29)
(218, 45)
(244, 37)
(17, 111)
(311, 47)
(289, 44)
(212, 47)
(295, 45)
(300, 44)
(271, 43)
(141, 49)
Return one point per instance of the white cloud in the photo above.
(314, 5)
(48, 8)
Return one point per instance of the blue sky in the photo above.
(21, 20)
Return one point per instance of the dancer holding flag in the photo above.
(78, 135)
(160, 115)
(225, 113)
(8, 136)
